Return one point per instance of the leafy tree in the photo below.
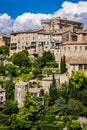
(10, 107)
(45, 60)
(75, 107)
(62, 90)
(84, 127)
(10, 70)
(24, 70)
(20, 124)
(4, 119)
(47, 57)
(75, 125)
(29, 101)
(77, 79)
(21, 59)
(36, 71)
(9, 86)
(76, 84)
(4, 50)
(2, 70)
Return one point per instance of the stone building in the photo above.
(20, 91)
(56, 35)
(36, 88)
(4, 40)
(76, 55)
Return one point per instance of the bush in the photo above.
(4, 128)
(75, 107)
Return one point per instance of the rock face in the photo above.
(20, 91)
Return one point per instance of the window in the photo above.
(64, 48)
(85, 47)
(33, 38)
(85, 67)
(1, 98)
(73, 67)
(19, 94)
(47, 42)
(35, 94)
(80, 48)
(75, 48)
(69, 48)
(18, 48)
(1, 92)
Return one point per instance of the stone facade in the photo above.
(4, 40)
(53, 36)
(20, 91)
(76, 55)
(36, 88)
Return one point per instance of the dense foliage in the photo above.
(58, 109)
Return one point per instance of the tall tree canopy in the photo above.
(63, 64)
(21, 59)
(4, 50)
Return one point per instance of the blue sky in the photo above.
(18, 7)
(27, 14)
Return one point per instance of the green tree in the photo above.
(75, 125)
(47, 57)
(77, 84)
(10, 70)
(21, 59)
(4, 119)
(53, 91)
(9, 86)
(10, 107)
(63, 64)
(75, 107)
(46, 60)
(4, 50)
(29, 100)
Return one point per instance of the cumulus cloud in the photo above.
(74, 11)
(69, 10)
(29, 21)
(6, 23)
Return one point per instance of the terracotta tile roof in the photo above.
(74, 43)
(4, 35)
(26, 31)
(34, 90)
(45, 32)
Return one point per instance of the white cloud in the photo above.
(72, 11)
(29, 21)
(6, 23)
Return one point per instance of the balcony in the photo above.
(13, 46)
(33, 44)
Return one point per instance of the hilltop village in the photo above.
(48, 65)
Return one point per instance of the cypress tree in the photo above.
(63, 64)
(53, 90)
